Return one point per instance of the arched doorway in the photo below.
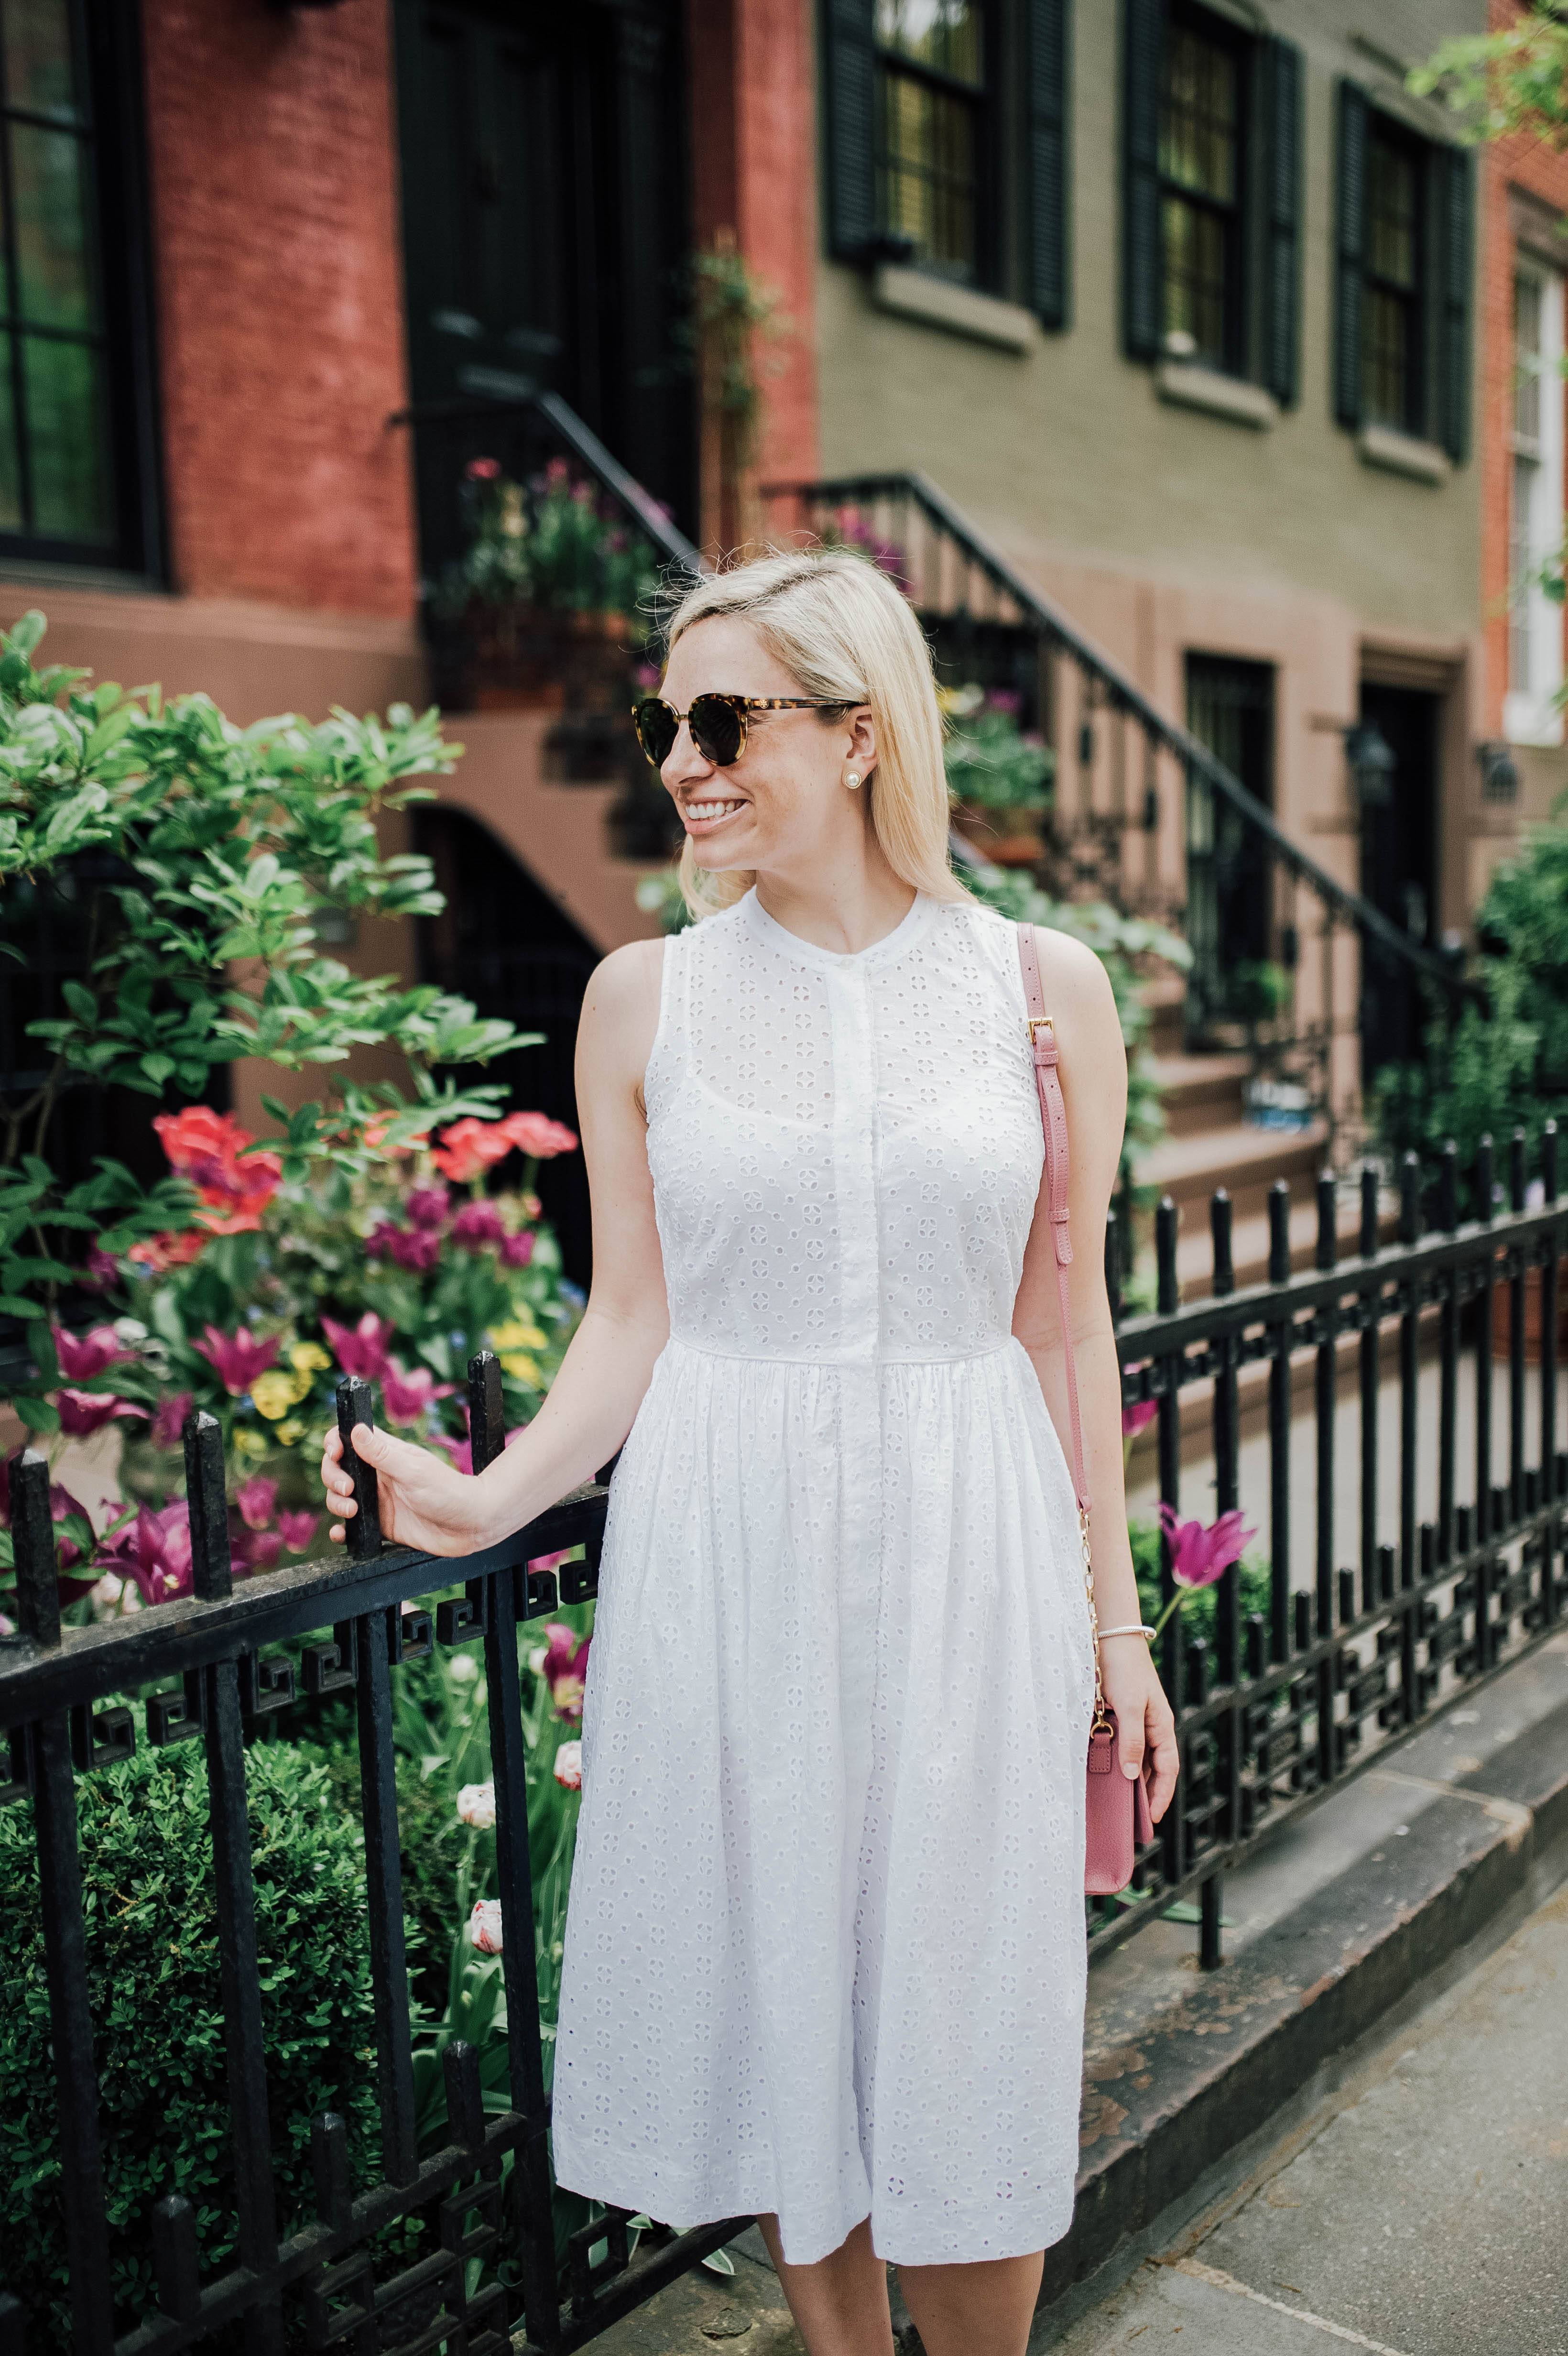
(505, 942)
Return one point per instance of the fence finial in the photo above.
(211, 1565)
(355, 1407)
(33, 1536)
(486, 1410)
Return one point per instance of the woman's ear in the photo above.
(862, 754)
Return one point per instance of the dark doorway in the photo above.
(504, 942)
(1399, 870)
(1230, 899)
(545, 221)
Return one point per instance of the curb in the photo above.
(1187, 2086)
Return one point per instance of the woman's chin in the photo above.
(715, 855)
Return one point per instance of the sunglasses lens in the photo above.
(716, 729)
(657, 728)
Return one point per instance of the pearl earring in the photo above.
(853, 780)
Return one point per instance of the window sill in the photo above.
(939, 303)
(1402, 453)
(1189, 387)
(1532, 720)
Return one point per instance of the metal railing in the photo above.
(1279, 1706)
(1274, 1709)
(1103, 834)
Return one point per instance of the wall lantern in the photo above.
(1371, 764)
(1499, 773)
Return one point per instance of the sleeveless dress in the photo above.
(825, 1948)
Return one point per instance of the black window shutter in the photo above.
(849, 40)
(1351, 237)
(1047, 160)
(1282, 221)
(1143, 61)
(1454, 183)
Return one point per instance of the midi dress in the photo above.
(825, 1946)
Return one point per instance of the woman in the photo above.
(824, 1955)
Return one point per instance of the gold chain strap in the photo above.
(1101, 1715)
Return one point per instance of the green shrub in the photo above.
(152, 1945)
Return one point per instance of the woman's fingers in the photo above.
(1165, 1760)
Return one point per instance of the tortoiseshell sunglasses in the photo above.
(718, 723)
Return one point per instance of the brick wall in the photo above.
(1541, 170)
(271, 145)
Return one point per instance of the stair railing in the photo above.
(1102, 838)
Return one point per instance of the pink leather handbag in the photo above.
(1117, 1819)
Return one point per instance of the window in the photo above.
(75, 467)
(1403, 284)
(1391, 391)
(1201, 197)
(1535, 522)
(930, 90)
(1211, 193)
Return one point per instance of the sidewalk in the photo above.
(1418, 2211)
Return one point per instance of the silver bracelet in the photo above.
(1131, 1630)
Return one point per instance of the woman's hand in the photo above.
(1145, 1723)
(424, 1503)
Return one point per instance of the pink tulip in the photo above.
(102, 1269)
(239, 1359)
(154, 1551)
(408, 1395)
(168, 1419)
(256, 1498)
(81, 1413)
(82, 1356)
(298, 1530)
(477, 1223)
(516, 1251)
(414, 1249)
(569, 1766)
(1138, 1418)
(484, 1926)
(565, 1669)
(461, 1450)
(428, 1206)
(253, 1550)
(360, 1350)
(1199, 1555)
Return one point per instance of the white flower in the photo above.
(484, 1926)
(463, 1667)
(110, 1595)
(569, 1766)
(536, 1660)
(476, 1805)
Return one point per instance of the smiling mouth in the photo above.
(709, 813)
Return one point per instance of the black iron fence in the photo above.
(1273, 1708)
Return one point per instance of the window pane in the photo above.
(1386, 386)
(927, 171)
(1521, 562)
(65, 437)
(1195, 247)
(1391, 213)
(39, 70)
(945, 34)
(51, 226)
(10, 483)
(1198, 127)
(1526, 358)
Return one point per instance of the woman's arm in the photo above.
(590, 1405)
(1093, 1070)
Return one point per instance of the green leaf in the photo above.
(80, 1001)
(158, 1069)
(41, 1349)
(38, 1414)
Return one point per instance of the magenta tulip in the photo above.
(82, 1356)
(428, 1206)
(565, 1669)
(298, 1530)
(408, 1395)
(154, 1551)
(516, 1251)
(1138, 1418)
(168, 1419)
(477, 1223)
(239, 1359)
(360, 1350)
(256, 1498)
(81, 1413)
(1199, 1555)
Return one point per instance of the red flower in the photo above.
(205, 1147)
(160, 1253)
(538, 1135)
(482, 470)
(469, 1148)
(239, 1357)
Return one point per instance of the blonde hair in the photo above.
(843, 632)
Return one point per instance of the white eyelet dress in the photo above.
(825, 1951)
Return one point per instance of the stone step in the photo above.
(1201, 1092)
(1243, 1159)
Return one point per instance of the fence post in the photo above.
(1480, 1536)
(33, 1536)
(514, 1877)
(1279, 1427)
(1549, 1488)
(355, 1407)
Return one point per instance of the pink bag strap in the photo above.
(1053, 1122)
